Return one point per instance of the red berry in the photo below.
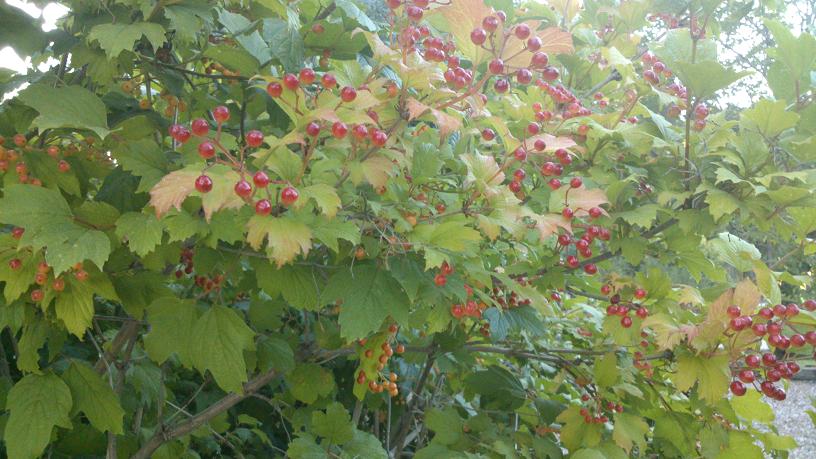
(746, 376)
(290, 81)
(307, 76)
(490, 23)
(752, 360)
(550, 73)
(524, 76)
(540, 145)
(514, 186)
(63, 166)
(576, 182)
(312, 129)
(478, 36)
(766, 313)
(567, 212)
(200, 127)
(203, 184)
(554, 184)
(626, 321)
(379, 138)
(348, 94)
(768, 359)
(733, 311)
(642, 312)
(457, 311)
(534, 44)
(519, 175)
(414, 13)
(522, 31)
(738, 388)
(221, 113)
(359, 132)
(446, 268)
(810, 305)
(263, 207)
(440, 280)
(289, 195)
(206, 150)
(339, 129)
(260, 179)
(17, 232)
(243, 188)
(540, 60)
(590, 269)
(254, 138)
(37, 295)
(15, 264)
(520, 154)
(496, 66)
(488, 134)
(274, 89)
(596, 212)
(328, 81)
(501, 86)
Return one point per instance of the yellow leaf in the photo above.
(286, 238)
(548, 224)
(172, 190)
(377, 170)
(460, 17)
(582, 199)
(446, 123)
(553, 143)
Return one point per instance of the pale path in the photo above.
(792, 420)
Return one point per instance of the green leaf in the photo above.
(236, 59)
(17, 281)
(94, 397)
(286, 237)
(588, 454)
(711, 373)
(32, 340)
(75, 305)
(36, 404)
(285, 41)
(498, 388)
(369, 295)
(630, 430)
(309, 381)
(768, 117)
(353, 12)
(242, 30)
(642, 216)
(66, 106)
(741, 445)
(752, 407)
(334, 425)
(305, 447)
(144, 159)
(797, 54)
(174, 188)
(330, 231)
(297, 284)
(365, 445)
(142, 231)
(734, 251)
(50, 224)
(606, 370)
(171, 330)
(115, 38)
(219, 340)
(446, 425)
(703, 79)
(576, 433)
(275, 353)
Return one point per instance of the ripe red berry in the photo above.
(446, 268)
(810, 305)
(206, 150)
(768, 359)
(733, 311)
(63, 166)
(738, 388)
(457, 311)
(501, 86)
(339, 129)
(554, 184)
(17, 232)
(290, 81)
(567, 212)
(58, 285)
(478, 36)
(359, 132)
(200, 127)
(263, 207)
(488, 134)
(576, 182)
(625, 321)
(533, 129)
(307, 76)
(642, 312)
(752, 360)
(540, 60)
(519, 175)
(496, 66)
(37, 295)
(522, 31)
(766, 313)
(254, 138)
(289, 195)
(514, 186)
(379, 138)
(414, 13)
(243, 188)
(312, 129)
(534, 44)
(524, 76)
(203, 184)
(440, 280)
(328, 81)
(590, 269)
(221, 113)
(540, 145)
(260, 179)
(550, 73)
(606, 289)
(520, 154)
(490, 23)
(274, 89)
(596, 212)
(348, 94)
(15, 264)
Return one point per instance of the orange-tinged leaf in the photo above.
(377, 170)
(172, 190)
(556, 41)
(460, 17)
(483, 172)
(548, 224)
(553, 143)
(582, 199)
(445, 122)
(553, 41)
(222, 195)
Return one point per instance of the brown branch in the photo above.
(164, 434)
(128, 331)
(404, 425)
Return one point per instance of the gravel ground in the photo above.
(792, 420)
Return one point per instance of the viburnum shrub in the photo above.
(424, 228)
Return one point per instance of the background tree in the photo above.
(431, 229)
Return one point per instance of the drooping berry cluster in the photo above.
(598, 410)
(385, 381)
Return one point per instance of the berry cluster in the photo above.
(623, 309)
(384, 381)
(768, 324)
(599, 410)
(44, 278)
(14, 157)
(208, 284)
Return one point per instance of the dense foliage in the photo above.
(454, 228)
